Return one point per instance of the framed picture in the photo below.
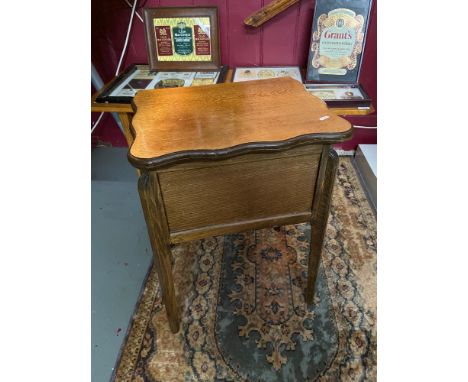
(338, 39)
(340, 95)
(182, 38)
(140, 77)
(260, 73)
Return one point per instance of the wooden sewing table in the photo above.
(232, 157)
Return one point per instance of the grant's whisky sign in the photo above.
(338, 38)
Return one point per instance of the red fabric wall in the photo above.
(283, 40)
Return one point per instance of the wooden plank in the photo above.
(351, 110)
(224, 229)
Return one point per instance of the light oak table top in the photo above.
(228, 119)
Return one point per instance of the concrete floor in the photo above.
(120, 257)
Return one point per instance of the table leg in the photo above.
(155, 216)
(126, 119)
(320, 212)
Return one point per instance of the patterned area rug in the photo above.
(244, 316)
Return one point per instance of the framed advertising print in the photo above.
(338, 38)
(261, 72)
(139, 77)
(340, 95)
(182, 38)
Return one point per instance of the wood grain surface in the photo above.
(206, 120)
(158, 232)
(240, 191)
(320, 212)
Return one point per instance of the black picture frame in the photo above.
(338, 39)
(106, 97)
(364, 102)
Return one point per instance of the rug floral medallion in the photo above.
(244, 316)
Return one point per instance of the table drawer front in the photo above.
(236, 192)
